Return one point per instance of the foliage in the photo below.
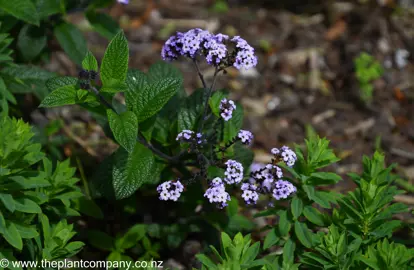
(36, 198)
(367, 69)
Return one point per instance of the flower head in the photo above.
(189, 136)
(226, 109)
(234, 172)
(245, 136)
(170, 190)
(282, 189)
(250, 194)
(245, 57)
(217, 194)
(125, 2)
(286, 154)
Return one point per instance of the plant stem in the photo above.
(210, 90)
(199, 73)
(140, 137)
(83, 177)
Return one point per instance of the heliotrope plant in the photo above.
(223, 52)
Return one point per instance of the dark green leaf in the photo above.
(233, 126)
(103, 24)
(24, 10)
(313, 215)
(88, 207)
(271, 239)
(13, 237)
(72, 41)
(26, 231)
(101, 240)
(190, 110)
(124, 128)
(284, 223)
(214, 102)
(115, 61)
(27, 206)
(132, 236)
(154, 97)
(8, 202)
(65, 95)
(296, 207)
(131, 170)
(323, 178)
(31, 41)
(303, 234)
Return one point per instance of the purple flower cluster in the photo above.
(234, 172)
(250, 195)
(213, 47)
(226, 109)
(245, 136)
(125, 2)
(170, 190)
(282, 189)
(245, 57)
(189, 136)
(217, 194)
(285, 154)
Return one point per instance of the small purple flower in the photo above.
(282, 189)
(234, 172)
(226, 109)
(250, 194)
(125, 2)
(245, 136)
(245, 57)
(172, 48)
(217, 194)
(170, 190)
(286, 154)
(189, 136)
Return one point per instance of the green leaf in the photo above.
(45, 8)
(251, 253)
(88, 207)
(57, 82)
(65, 95)
(31, 41)
(288, 251)
(13, 237)
(271, 239)
(214, 102)
(8, 202)
(132, 236)
(136, 82)
(27, 206)
(303, 234)
(323, 178)
(26, 231)
(124, 128)
(100, 240)
(313, 215)
(296, 207)
(114, 86)
(154, 97)
(103, 24)
(233, 126)
(130, 171)
(115, 61)
(284, 223)
(89, 62)
(22, 9)
(206, 261)
(190, 110)
(72, 41)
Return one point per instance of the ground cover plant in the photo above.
(186, 159)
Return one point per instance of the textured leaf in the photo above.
(22, 9)
(31, 41)
(115, 61)
(45, 8)
(103, 24)
(136, 82)
(57, 82)
(72, 41)
(90, 62)
(214, 102)
(124, 128)
(65, 95)
(154, 97)
(161, 70)
(130, 171)
(190, 111)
